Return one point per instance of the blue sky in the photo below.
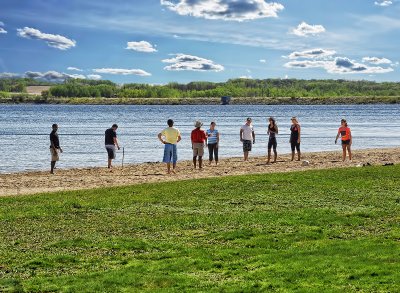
(160, 41)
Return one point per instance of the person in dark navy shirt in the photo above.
(55, 148)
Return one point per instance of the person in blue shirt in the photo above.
(213, 143)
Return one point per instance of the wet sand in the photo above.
(77, 179)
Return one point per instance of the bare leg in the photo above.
(298, 155)
(269, 156)
(344, 153)
(275, 156)
(168, 168)
(109, 163)
(52, 165)
(292, 155)
(349, 150)
(194, 161)
(245, 155)
(200, 162)
(173, 168)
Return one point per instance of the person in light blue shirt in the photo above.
(213, 143)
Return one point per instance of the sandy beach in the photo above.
(77, 179)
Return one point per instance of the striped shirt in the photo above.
(212, 136)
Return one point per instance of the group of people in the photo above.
(170, 137)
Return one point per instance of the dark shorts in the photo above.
(247, 145)
(272, 143)
(295, 146)
(111, 151)
(346, 142)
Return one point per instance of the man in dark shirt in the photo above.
(111, 142)
(54, 147)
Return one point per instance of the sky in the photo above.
(162, 41)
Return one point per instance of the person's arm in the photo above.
(337, 136)
(160, 138)
(52, 143)
(179, 138)
(217, 139)
(351, 137)
(241, 134)
(276, 129)
(254, 136)
(116, 142)
(299, 128)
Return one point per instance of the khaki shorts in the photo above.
(198, 149)
(54, 155)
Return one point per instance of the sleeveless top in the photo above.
(294, 133)
(272, 130)
(213, 138)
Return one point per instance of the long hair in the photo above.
(344, 121)
(273, 122)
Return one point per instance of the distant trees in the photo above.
(234, 87)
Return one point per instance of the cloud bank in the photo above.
(2, 30)
(224, 9)
(141, 46)
(312, 54)
(304, 29)
(320, 58)
(193, 63)
(74, 68)
(376, 60)
(120, 71)
(384, 3)
(54, 41)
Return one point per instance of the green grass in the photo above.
(331, 230)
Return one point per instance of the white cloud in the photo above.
(94, 76)
(376, 60)
(224, 9)
(304, 29)
(193, 63)
(74, 69)
(52, 75)
(384, 3)
(141, 46)
(2, 31)
(340, 65)
(8, 75)
(1, 23)
(246, 77)
(312, 54)
(54, 41)
(263, 61)
(139, 72)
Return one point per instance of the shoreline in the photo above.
(34, 99)
(32, 182)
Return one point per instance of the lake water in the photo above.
(24, 130)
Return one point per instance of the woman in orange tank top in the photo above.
(345, 133)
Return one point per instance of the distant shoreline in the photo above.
(35, 99)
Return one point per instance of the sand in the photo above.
(77, 179)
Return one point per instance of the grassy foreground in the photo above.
(332, 230)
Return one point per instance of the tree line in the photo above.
(234, 87)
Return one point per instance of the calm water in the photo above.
(24, 130)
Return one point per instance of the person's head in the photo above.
(54, 127)
(343, 122)
(212, 125)
(248, 121)
(114, 127)
(198, 124)
(294, 120)
(170, 122)
(272, 121)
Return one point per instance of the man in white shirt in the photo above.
(247, 137)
